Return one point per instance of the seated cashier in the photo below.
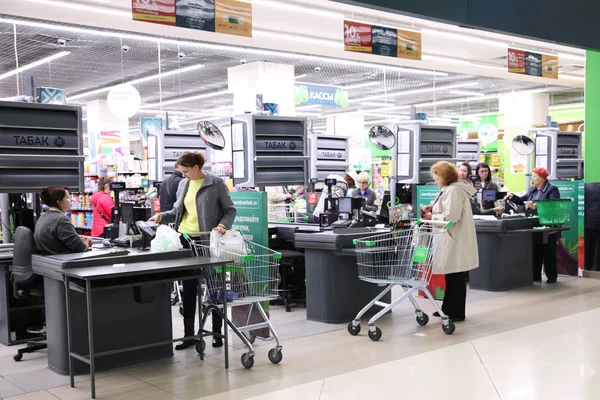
(54, 232)
(364, 191)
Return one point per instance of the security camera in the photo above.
(373, 75)
(62, 42)
(317, 69)
(180, 55)
(125, 48)
(493, 86)
(243, 61)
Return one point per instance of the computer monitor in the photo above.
(127, 213)
(488, 194)
(345, 205)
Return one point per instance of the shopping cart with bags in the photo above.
(253, 279)
(405, 258)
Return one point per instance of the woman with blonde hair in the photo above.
(459, 253)
(363, 190)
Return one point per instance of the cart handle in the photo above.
(446, 224)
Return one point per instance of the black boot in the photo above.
(217, 324)
(188, 327)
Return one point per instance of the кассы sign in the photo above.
(327, 96)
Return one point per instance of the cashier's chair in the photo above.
(26, 284)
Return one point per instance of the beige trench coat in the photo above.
(459, 251)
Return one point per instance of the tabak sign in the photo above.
(327, 96)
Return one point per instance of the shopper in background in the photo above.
(459, 253)
(168, 189)
(203, 204)
(364, 191)
(484, 181)
(465, 172)
(278, 197)
(103, 204)
(542, 253)
(54, 232)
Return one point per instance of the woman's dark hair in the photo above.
(484, 165)
(447, 172)
(52, 194)
(103, 181)
(469, 168)
(191, 159)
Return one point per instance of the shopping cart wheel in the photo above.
(200, 346)
(275, 355)
(247, 360)
(353, 330)
(423, 320)
(449, 328)
(375, 336)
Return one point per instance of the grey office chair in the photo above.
(25, 283)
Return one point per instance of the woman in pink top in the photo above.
(103, 205)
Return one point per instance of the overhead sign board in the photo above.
(382, 40)
(532, 63)
(327, 96)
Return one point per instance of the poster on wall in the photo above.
(357, 37)
(518, 163)
(155, 11)
(233, 17)
(532, 64)
(384, 41)
(251, 218)
(194, 14)
(409, 45)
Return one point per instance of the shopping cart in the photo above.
(287, 213)
(253, 279)
(404, 258)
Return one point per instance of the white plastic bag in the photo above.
(232, 242)
(166, 239)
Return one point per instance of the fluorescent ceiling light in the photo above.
(376, 104)
(301, 76)
(566, 111)
(297, 38)
(361, 85)
(140, 80)
(83, 7)
(572, 77)
(387, 120)
(390, 115)
(563, 106)
(466, 93)
(190, 98)
(308, 114)
(572, 57)
(35, 64)
(416, 91)
(427, 57)
(465, 38)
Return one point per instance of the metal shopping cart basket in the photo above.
(287, 213)
(253, 279)
(403, 258)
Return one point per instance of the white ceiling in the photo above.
(316, 25)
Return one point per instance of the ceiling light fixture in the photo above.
(297, 38)
(361, 85)
(416, 91)
(35, 64)
(83, 7)
(300, 76)
(571, 57)
(572, 77)
(296, 8)
(190, 98)
(563, 106)
(466, 93)
(140, 80)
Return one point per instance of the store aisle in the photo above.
(541, 342)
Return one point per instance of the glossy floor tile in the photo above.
(510, 347)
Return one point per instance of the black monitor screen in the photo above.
(345, 205)
(117, 186)
(488, 194)
(127, 213)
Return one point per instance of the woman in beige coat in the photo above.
(459, 253)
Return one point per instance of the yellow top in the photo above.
(189, 222)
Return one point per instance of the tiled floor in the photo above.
(541, 342)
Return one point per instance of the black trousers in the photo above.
(190, 303)
(592, 251)
(455, 298)
(545, 254)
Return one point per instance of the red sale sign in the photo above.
(357, 37)
(516, 61)
(156, 11)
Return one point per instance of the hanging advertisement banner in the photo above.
(233, 17)
(384, 41)
(196, 14)
(327, 96)
(155, 11)
(533, 64)
(409, 45)
(549, 66)
(357, 37)
(516, 61)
